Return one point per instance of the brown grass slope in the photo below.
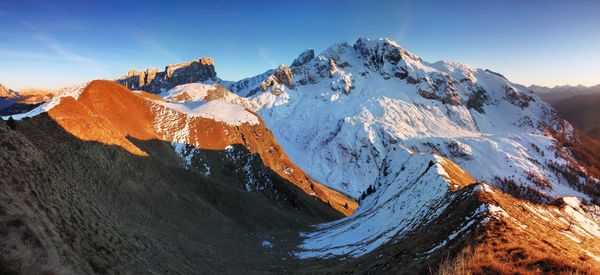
(525, 238)
(87, 188)
(484, 231)
(111, 114)
(88, 207)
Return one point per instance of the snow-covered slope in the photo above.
(229, 113)
(188, 92)
(218, 110)
(428, 203)
(349, 107)
(412, 192)
(247, 86)
(205, 92)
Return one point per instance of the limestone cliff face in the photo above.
(156, 81)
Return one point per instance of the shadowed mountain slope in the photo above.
(87, 188)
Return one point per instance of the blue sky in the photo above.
(49, 44)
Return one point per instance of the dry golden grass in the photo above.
(509, 258)
(530, 239)
(458, 177)
(109, 113)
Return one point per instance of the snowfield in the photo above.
(229, 113)
(411, 195)
(351, 105)
(196, 91)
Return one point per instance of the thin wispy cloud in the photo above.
(403, 30)
(64, 51)
(266, 56)
(68, 54)
(6, 53)
(149, 42)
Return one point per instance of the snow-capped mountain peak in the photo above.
(373, 97)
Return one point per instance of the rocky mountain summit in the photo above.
(157, 81)
(8, 97)
(7, 93)
(379, 96)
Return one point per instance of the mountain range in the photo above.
(13, 102)
(577, 104)
(363, 158)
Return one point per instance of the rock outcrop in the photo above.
(7, 93)
(156, 81)
(304, 57)
(281, 78)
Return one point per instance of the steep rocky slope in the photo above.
(157, 81)
(106, 112)
(454, 226)
(374, 96)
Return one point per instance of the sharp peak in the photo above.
(365, 42)
(384, 40)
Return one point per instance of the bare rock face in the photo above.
(517, 98)
(477, 100)
(8, 98)
(284, 76)
(281, 78)
(376, 54)
(157, 81)
(440, 87)
(304, 57)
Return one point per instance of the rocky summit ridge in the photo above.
(157, 81)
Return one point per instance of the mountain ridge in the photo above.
(449, 86)
(450, 165)
(577, 104)
(383, 112)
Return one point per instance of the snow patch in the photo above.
(228, 113)
(593, 256)
(196, 91)
(483, 187)
(266, 244)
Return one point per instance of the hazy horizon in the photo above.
(48, 45)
